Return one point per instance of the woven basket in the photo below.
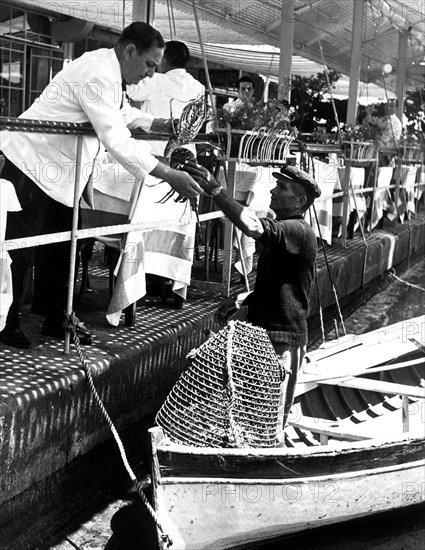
(229, 395)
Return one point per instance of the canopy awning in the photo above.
(265, 61)
(255, 22)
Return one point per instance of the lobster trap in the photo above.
(230, 394)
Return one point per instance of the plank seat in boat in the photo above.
(327, 428)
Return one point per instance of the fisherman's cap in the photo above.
(302, 178)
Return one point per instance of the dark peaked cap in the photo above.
(302, 178)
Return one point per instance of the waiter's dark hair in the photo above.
(177, 54)
(142, 35)
(246, 78)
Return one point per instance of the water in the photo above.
(117, 524)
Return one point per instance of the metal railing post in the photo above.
(228, 231)
(345, 201)
(73, 252)
(375, 168)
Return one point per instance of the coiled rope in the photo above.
(71, 325)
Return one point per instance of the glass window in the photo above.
(26, 65)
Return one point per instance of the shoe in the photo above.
(56, 330)
(178, 302)
(15, 338)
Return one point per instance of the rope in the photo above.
(204, 58)
(319, 299)
(392, 274)
(325, 255)
(325, 67)
(171, 20)
(71, 325)
(231, 386)
(401, 183)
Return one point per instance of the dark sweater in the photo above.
(280, 301)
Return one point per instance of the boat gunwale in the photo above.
(172, 480)
(282, 452)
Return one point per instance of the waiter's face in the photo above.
(135, 67)
(246, 91)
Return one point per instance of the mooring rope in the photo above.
(325, 256)
(71, 324)
(392, 274)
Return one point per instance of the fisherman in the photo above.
(42, 166)
(279, 302)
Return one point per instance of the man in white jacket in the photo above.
(42, 166)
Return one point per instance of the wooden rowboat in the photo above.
(355, 446)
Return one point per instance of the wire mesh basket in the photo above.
(229, 395)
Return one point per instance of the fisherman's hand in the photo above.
(205, 179)
(225, 311)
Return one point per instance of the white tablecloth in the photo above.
(252, 187)
(408, 176)
(383, 200)
(327, 177)
(166, 252)
(8, 203)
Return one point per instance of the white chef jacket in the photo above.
(89, 89)
(391, 131)
(176, 86)
(233, 106)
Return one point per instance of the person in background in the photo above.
(165, 95)
(279, 302)
(171, 88)
(89, 89)
(245, 95)
(391, 126)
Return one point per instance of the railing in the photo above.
(258, 148)
(255, 148)
(81, 130)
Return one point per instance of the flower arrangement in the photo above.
(369, 131)
(414, 134)
(274, 114)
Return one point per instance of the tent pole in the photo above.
(143, 10)
(356, 58)
(286, 47)
(403, 37)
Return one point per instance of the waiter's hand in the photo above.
(184, 184)
(162, 126)
(180, 181)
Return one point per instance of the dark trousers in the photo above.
(40, 215)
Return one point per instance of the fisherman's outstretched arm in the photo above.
(243, 218)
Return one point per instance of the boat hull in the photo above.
(225, 513)
(355, 448)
